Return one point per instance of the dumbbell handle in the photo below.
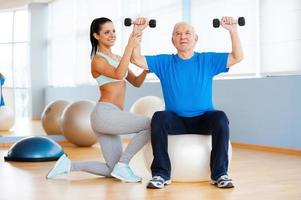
(241, 22)
(234, 21)
(128, 21)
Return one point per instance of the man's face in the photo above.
(184, 37)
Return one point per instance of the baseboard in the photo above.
(266, 148)
(6, 142)
(255, 147)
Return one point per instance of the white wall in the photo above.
(262, 111)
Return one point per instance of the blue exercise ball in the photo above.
(34, 149)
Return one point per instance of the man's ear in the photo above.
(95, 35)
(172, 41)
(196, 37)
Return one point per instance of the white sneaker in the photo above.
(223, 182)
(157, 182)
(123, 172)
(62, 166)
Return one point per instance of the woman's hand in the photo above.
(134, 39)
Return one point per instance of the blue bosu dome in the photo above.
(34, 149)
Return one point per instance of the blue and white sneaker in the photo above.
(62, 166)
(123, 172)
(157, 182)
(223, 182)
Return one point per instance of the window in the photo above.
(158, 40)
(14, 60)
(69, 44)
(218, 40)
(6, 21)
(268, 46)
(280, 37)
(69, 23)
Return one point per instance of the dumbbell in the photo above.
(241, 22)
(128, 22)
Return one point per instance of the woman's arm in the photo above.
(136, 81)
(100, 66)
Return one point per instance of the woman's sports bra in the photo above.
(102, 79)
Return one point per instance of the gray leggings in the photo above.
(109, 122)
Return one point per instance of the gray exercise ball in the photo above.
(147, 105)
(75, 123)
(51, 116)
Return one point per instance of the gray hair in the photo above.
(182, 23)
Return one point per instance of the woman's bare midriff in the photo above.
(113, 93)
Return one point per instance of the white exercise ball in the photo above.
(147, 106)
(75, 123)
(7, 118)
(189, 156)
(51, 116)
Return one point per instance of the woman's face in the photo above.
(106, 36)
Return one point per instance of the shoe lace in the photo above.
(224, 178)
(158, 178)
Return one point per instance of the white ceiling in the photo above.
(8, 4)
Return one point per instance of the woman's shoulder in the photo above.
(98, 61)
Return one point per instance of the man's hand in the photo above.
(229, 23)
(140, 24)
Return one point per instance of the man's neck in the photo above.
(185, 54)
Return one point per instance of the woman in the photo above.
(108, 120)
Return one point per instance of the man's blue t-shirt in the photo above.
(187, 84)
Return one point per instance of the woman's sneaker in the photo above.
(123, 172)
(62, 166)
(157, 182)
(223, 182)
